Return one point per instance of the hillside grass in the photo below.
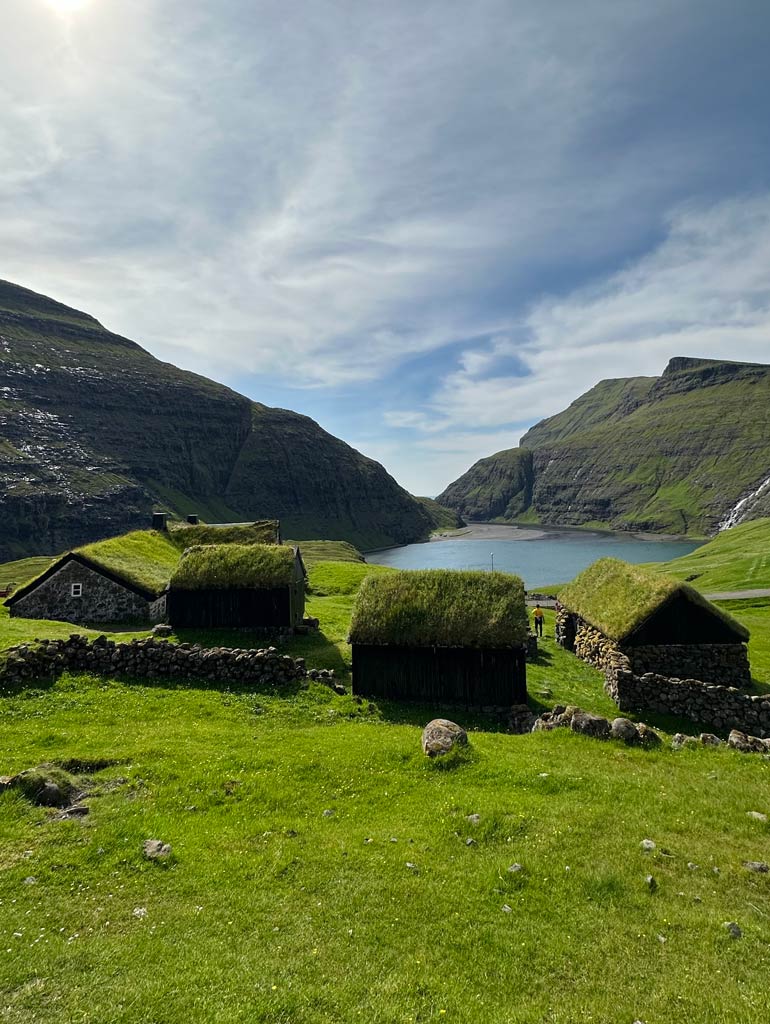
(737, 559)
(23, 570)
(315, 551)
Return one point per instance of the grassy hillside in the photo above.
(96, 433)
(670, 454)
(737, 559)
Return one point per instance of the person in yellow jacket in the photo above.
(538, 616)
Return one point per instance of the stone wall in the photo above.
(629, 681)
(720, 707)
(101, 600)
(152, 658)
(727, 664)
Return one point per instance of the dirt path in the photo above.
(736, 595)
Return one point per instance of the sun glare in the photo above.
(68, 6)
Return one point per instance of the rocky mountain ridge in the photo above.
(95, 433)
(687, 452)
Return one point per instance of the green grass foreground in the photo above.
(272, 910)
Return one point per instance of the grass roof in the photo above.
(145, 558)
(616, 598)
(263, 531)
(440, 608)
(242, 566)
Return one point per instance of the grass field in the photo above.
(323, 870)
(738, 559)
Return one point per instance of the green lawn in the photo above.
(271, 910)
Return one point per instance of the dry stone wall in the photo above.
(688, 681)
(152, 658)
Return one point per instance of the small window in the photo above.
(76, 590)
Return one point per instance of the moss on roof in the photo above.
(440, 608)
(242, 566)
(616, 598)
(263, 531)
(145, 558)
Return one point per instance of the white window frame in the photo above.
(76, 590)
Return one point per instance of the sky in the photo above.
(427, 225)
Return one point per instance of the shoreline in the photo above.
(538, 531)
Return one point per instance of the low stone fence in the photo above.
(151, 658)
(721, 707)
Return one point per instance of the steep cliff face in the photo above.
(686, 452)
(95, 432)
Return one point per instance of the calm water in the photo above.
(539, 557)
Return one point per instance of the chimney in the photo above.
(192, 519)
(159, 521)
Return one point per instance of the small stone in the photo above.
(625, 730)
(156, 849)
(756, 815)
(733, 929)
(367, 840)
(647, 845)
(697, 899)
(648, 736)
(662, 939)
(691, 866)
(474, 819)
(412, 867)
(758, 866)
(470, 842)
(708, 739)
(506, 909)
(716, 871)
(393, 839)
(328, 813)
(652, 885)
(30, 880)
(515, 868)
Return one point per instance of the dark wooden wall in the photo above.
(470, 677)
(234, 608)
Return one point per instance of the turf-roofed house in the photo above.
(441, 637)
(658, 623)
(257, 586)
(122, 579)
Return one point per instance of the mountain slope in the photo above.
(685, 452)
(95, 432)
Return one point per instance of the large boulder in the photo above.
(440, 736)
(747, 744)
(625, 730)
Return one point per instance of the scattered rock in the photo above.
(412, 867)
(156, 849)
(470, 842)
(440, 736)
(515, 868)
(647, 845)
(589, 724)
(652, 885)
(681, 739)
(474, 819)
(45, 786)
(506, 909)
(733, 929)
(747, 744)
(162, 629)
(648, 736)
(30, 880)
(625, 730)
(708, 739)
(758, 866)
(692, 867)
(328, 813)
(521, 719)
(756, 815)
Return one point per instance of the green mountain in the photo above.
(687, 452)
(95, 433)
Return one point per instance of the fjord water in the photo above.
(539, 556)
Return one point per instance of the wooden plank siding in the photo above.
(234, 608)
(470, 677)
